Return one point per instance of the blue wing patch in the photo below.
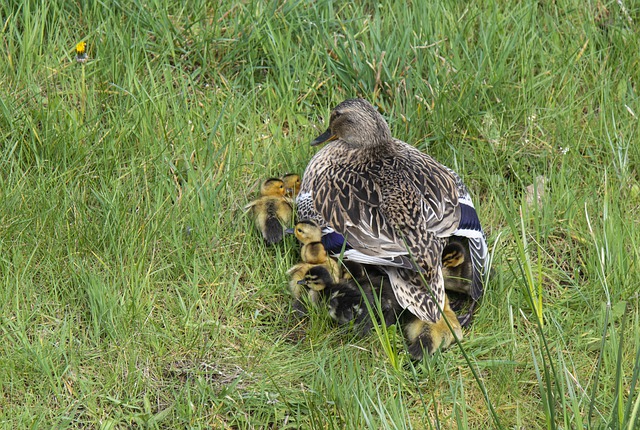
(469, 218)
(333, 243)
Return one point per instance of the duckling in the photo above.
(313, 251)
(271, 210)
(350, 300)
(298, 289)
(292, 184)
(377, 288)
(393, 204)
(425, 337)
(344, 301)
(456, 266)
(352, 270)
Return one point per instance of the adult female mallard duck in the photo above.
(395, 206)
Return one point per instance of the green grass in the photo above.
(135, 294)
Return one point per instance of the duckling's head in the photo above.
(453, 255)
(272, 187)
(357, 123)
(307, 231)
(317, 278)
(292, 184)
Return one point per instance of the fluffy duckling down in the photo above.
(299, 290)
(271, 211)
(423, 337)
(313, 252)
(356, 300)
(291, 184)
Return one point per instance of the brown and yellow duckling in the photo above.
(272, 210)
(423, 337)
(312, 254)
(292, 183)
(299, 290)
(313, 251)
(355, 300)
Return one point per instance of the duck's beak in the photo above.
(302, 282)
(327, 136)
(289, 231)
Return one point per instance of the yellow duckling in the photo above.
(350, 300)
(292, 184)
(299, 290)
(313, 251)
(271, 210)
(424, 337)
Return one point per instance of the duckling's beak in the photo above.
(327, 136)
(302, 282)
(289, 231)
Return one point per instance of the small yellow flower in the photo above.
(81, 52)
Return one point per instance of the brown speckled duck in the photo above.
(396, 207)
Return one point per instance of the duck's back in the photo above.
(403, 189)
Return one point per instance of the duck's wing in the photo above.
(347, 201)
(338, 247)
(470, 228)
(429, 186)
(345, 206)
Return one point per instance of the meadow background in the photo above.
(135, 294)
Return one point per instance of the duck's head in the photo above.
(317, 278)
(292, 184)
(357, 123)
(272, 187)
(306, 231)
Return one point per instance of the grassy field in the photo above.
(134, 293)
